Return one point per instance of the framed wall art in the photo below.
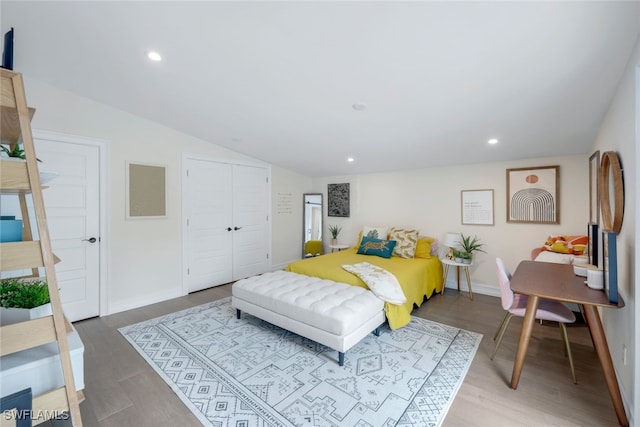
(533, 195)
(338, 200)
(477, 207)
(146, 191)
(594, 193)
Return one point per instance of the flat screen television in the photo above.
(7, 52)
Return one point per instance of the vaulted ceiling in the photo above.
(304, 85)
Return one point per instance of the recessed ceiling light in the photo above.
(493, 141)
(359, 106)
(350, 159)
(154, 56)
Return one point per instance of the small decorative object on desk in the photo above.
(335, 231)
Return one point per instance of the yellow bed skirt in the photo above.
(419, 277)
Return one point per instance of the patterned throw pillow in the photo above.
(407, 240)
(378, 247)
(375, 232)
(575, 245)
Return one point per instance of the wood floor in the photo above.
(121, 389)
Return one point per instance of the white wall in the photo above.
(619, 132)
(288, 188)
(429, 199)
(145, 255)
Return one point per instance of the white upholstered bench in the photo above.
(335, 314)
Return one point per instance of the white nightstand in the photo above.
(448, 262)
(339, 247)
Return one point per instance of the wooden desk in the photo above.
(558, 282)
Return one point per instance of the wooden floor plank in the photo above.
(122, 390)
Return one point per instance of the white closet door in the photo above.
(208, 198)
(250, 221)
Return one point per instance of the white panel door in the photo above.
(208, 198)
(250, 221)
(72, 205)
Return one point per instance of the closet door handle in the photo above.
(90, 240)
(237, 228)
(229, 228)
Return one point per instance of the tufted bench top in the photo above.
(337, 308)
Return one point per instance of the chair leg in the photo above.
(563, 332)
(501, 334)
(504, 319)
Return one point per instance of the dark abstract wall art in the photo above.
(338, 200)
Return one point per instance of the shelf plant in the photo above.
(16, 152)
(16, 293)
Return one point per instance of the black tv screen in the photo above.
(7, 53)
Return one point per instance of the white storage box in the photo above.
(40, 368)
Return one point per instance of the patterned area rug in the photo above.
(247, 372)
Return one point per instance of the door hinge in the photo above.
(187, 172)
(267, 255)
(188, 272)
(187, 222)
(267, 179)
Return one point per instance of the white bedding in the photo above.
(381, 282)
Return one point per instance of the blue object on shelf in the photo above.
(7, 217)
(10, 230)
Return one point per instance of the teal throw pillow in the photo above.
(373, 246)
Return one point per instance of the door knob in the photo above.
(90, 240)
(229, 228)
(237, 228)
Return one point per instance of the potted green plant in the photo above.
(335, 231)
(22, 300)
(469, 245)
(14, 153)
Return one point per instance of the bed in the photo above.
(418, 277)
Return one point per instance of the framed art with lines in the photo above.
(533, 195)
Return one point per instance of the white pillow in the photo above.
(382, 283)
(548, 256)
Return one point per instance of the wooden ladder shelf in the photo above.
(23, 178)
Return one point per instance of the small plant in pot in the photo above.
(335, 231)
(469, 245)
(22, 300)
(15, 152)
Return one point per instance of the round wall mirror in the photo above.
(311, 224)
(611, 188)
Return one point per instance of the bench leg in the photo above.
(376, 331)
(340, 358)
(238, 313)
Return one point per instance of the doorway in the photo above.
(75, 204)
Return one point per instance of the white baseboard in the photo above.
(477, 288)
(129, 304)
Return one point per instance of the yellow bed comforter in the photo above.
(419, 277)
